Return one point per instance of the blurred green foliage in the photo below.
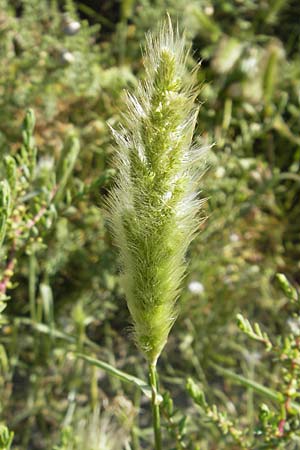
(58, 272)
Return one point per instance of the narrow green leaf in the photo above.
(145, 388)
(66, 165)
(269, 393)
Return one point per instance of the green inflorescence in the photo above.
(153, 206)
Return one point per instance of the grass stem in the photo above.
(155, 406)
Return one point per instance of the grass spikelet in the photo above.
(153, 206)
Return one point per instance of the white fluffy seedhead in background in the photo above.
(99, 431)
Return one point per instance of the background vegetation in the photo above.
(69, 63)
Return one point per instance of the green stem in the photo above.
(155, 406)
(31, 287)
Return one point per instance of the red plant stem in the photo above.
(281, 427)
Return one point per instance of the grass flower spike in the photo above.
(154, 205)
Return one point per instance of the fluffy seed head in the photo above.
(153, 206)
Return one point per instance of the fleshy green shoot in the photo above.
(154, 205)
